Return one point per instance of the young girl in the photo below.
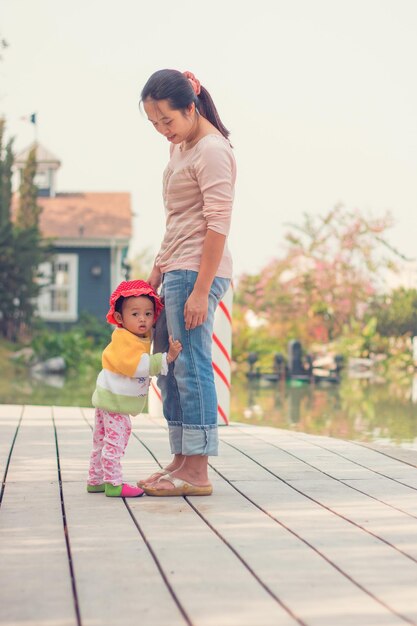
(123, 383)
(195, 268)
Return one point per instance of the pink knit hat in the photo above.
(133, 288)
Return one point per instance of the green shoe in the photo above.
(95, 488)
(113, 491)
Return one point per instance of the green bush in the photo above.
(396, 313)
(71, 345)
(97, 330)
(80, 346)
(76, 349)
(363, 340)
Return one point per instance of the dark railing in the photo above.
(298, 366)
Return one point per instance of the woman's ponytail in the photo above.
(207, 108)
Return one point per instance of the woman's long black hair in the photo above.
(173, 86)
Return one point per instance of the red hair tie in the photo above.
(195, 83)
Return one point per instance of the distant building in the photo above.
(90, 233)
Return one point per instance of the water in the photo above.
(381, 410)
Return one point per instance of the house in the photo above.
(90, 234)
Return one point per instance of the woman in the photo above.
(195, 268)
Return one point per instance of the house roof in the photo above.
(43, 156)
(85, 215)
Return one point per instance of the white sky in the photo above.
(320, 96)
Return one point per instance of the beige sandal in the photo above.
(152, 478)
(180, 488)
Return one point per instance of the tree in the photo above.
(396, 313)
(21, 247)
(6, 165)
(331, 269)
(28, 212)
(7, 248)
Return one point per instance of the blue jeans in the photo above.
(188, 391)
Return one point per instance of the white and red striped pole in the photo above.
(222, 346)
(222, 355)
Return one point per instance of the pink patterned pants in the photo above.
(110, 436)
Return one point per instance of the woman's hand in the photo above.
(155, 278)
(195, 310)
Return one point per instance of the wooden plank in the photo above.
(283, 562)
(376, 462)
(352, 452)
(406, 455)
(261, 550)
(209, 579)
(179, 550)
(367, 457)
(287, 564)
(339, 495)
(382, 487)
(9, 420)
(10, 412)
(36, 584)
(117, 579)
(370, 562)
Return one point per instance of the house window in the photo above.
(41, 179)
(58, 298)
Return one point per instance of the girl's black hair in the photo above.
(173, 86)
(119, 302)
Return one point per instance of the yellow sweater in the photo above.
(123, 383)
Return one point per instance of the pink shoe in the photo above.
(128, 491)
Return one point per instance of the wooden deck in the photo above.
(300, 530)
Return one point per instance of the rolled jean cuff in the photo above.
(202, 441)
(175, 438)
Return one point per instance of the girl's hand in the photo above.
(195, 310)
(155, 278)
(175, 348)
